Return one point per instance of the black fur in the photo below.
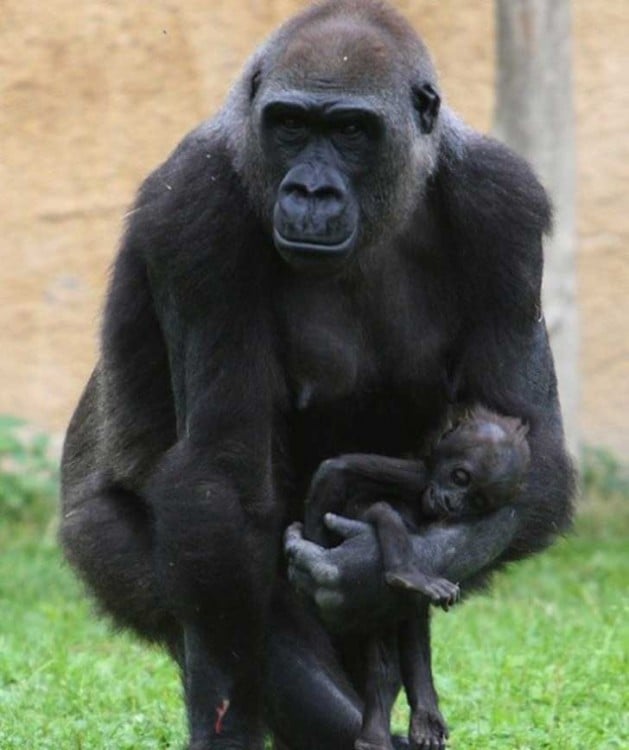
(226, 377)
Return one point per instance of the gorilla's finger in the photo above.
(305, 554)
(293, 534)
(345, 527)
(299, 551)
(329, 601)
(312, 574)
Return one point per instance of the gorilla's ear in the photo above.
(254, 84)
(426, 101)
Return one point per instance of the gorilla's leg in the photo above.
(382, 664)
(106, 534)
(215, 548)
(428, 729)
(310, 702)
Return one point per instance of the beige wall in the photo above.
(94, 94)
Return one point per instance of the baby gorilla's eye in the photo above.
(460, 477)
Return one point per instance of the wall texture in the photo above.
(95, 94)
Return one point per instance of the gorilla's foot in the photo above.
(428, 730)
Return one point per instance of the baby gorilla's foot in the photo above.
(439, 590)
(428, 730)
(443, 592)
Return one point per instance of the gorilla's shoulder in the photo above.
(486, 182)
(496, 213)
(191, 196)
(199, 173)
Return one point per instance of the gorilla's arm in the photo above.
(180, 359)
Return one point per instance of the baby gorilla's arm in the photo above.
(349, 484)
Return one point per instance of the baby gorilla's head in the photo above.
(477, 466)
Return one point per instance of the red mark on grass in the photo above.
(220, 715)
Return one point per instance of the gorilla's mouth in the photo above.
(309, 252)
(436, 504)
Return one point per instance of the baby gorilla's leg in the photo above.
(397, 554)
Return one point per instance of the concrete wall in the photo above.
(94, 94)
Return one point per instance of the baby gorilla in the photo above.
(475, 467)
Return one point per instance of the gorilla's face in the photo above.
(324, 147)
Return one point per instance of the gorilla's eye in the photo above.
(460, 477)
(291, 124)
(350, 132)
(350, 129)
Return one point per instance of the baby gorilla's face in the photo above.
(455, 488)
(475, 468)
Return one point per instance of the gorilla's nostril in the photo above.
(328, 193)
(296, 190)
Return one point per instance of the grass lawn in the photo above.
(541, 662)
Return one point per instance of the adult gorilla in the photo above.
(315, 271)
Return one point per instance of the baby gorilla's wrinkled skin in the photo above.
(477, 466)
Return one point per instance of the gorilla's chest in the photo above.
(325, 354)
(339, 350)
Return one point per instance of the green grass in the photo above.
(539, 663)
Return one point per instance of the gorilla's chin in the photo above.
(315, 257)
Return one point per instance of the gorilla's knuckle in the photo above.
(332, 466)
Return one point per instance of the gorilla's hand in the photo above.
(346, 582)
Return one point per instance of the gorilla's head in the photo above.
(334, 130)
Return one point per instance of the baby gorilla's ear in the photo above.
(457, 415)
(448, 427)
(466, 413)
(517, 427)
